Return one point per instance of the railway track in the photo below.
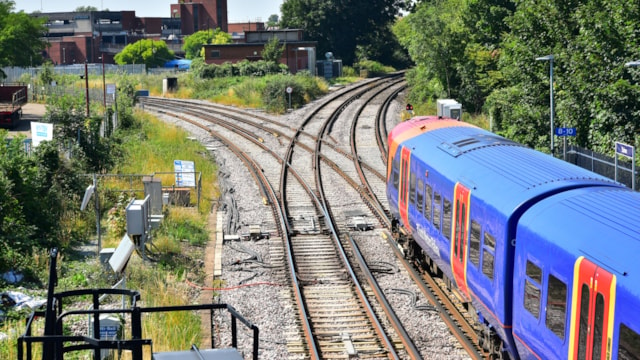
(341, 311)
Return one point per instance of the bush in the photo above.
(374, 68)
(305, 88)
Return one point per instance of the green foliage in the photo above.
(193, 44)
(272, 22)
(152, 53)
(21, 41)
(242, 68)
(328, 22)
(304, 88)
(46, 75)
(272, 51)
(374, 68)
(186, 230)
(86, 9)
(482, 53)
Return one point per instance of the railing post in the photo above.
(234, 331)
(136, 332)
(256, 341)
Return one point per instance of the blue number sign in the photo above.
(625, 150)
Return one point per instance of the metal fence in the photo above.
(17, 74)
(602, 164)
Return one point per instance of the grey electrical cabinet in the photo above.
(138, 217)
(449, 108)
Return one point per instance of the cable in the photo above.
(231, 287)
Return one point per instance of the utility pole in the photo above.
(86, 82)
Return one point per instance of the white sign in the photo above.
(41, 132)
(185, 173)
(289, 90)
(111, 89)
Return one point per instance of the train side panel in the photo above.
(576, 283)
(461, 190)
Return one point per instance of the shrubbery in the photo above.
(242, 68)
(373, 68)
(304, 87)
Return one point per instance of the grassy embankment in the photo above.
(178, 244)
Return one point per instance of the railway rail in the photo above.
(334, 313)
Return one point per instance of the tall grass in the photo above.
(169, 331)
(155, 149)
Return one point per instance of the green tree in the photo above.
(20, 37)
(339, 27)
(193, 44)
(152, 53)
(86, 9)
(272, 51)
(434, 37)
(272, 22)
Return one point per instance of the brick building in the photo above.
(298, 55)
(76, 37)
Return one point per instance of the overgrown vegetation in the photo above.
(483, 53)
(40, 196)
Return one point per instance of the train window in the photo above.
(420, 195)
(534, 272)
(628, 344)
(437, 208)
(556, 306)
(597, 327)
(427, 203)
(474, 244)
(532, 289)
(532, 298)
(446, 219)
(395, 170)
(488, 254)
(584, 322)
(412, 188)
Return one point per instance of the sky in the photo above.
(238, 10)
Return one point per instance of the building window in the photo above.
(532, 289)
(556, 306)
(215, 54)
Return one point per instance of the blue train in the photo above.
(547, 254)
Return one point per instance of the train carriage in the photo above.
(577, 276)
(460, 190)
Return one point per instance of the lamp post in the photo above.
(634, 63)
(550, 59)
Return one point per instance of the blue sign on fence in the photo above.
(625, 150)
(566, 131)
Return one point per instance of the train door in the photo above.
(592, 311)
(460, 238)
(405, 159)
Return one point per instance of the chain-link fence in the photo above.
(15, 74)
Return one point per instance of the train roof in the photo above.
(601, 224)
(500, 171)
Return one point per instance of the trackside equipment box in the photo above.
(449, 108)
